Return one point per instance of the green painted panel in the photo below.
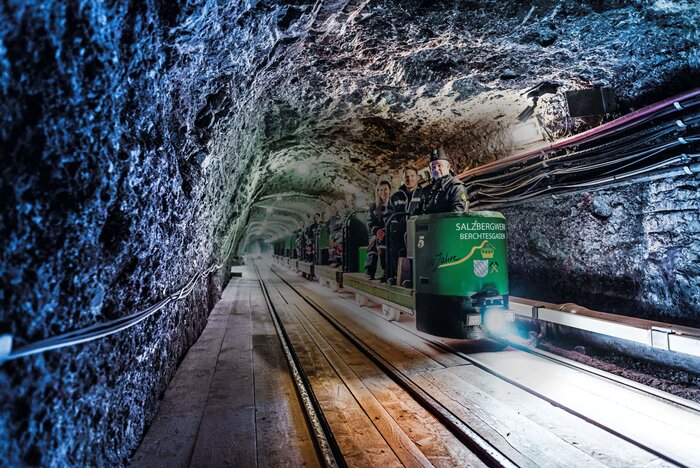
(460, 254)
(329, 273)
(395, 294)
(322, 236)
(363, 259)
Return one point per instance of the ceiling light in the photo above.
(526, 133)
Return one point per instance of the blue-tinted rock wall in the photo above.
(107, 205)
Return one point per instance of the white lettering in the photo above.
(480, 226)
(482, 236)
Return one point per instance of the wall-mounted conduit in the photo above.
(99, 330)
(658, 141)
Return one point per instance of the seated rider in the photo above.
(407, 199)
(445, 194)
(310, 237)
(335, 234)
(353, 234)
(375, 224)
(300, 245)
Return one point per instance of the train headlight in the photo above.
(497, 321)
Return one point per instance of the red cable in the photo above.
(619, 122)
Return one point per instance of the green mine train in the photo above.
(460, 270)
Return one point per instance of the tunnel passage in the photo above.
(144, 142)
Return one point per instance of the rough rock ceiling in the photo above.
(352, 91)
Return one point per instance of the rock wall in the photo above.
(110, 201)
(632, 250)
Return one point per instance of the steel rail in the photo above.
(469, 437)
(485, 367)
(326, 446)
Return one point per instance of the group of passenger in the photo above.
(336, 216)
(389, 213)
(306, 238)
(387, 216)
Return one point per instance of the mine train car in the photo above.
(459, 279)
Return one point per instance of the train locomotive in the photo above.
(459, 272)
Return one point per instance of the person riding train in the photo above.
(335, 233)
(310, 237)
(407, 199)
(375, 224)
(446, 194)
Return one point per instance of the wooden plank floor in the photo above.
(232, 401)
(529, 430)
(375, 422)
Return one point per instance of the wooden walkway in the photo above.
(232, 401)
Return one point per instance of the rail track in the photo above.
(572, 433)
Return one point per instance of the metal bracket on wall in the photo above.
(659, 338)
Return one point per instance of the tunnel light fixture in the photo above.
(526, 133)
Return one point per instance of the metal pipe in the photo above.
(664, 343)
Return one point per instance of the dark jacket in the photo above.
(310, 234)
(375, 218)
(445, 195)
(335, 227)
(403, 201)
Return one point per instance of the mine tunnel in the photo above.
(163, 160)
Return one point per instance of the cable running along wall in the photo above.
(659, 140)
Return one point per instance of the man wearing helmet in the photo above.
(446, 194)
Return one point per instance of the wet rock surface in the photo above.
(142, 142)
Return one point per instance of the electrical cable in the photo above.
(104, 329)
(644, 115)
(637, 146)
